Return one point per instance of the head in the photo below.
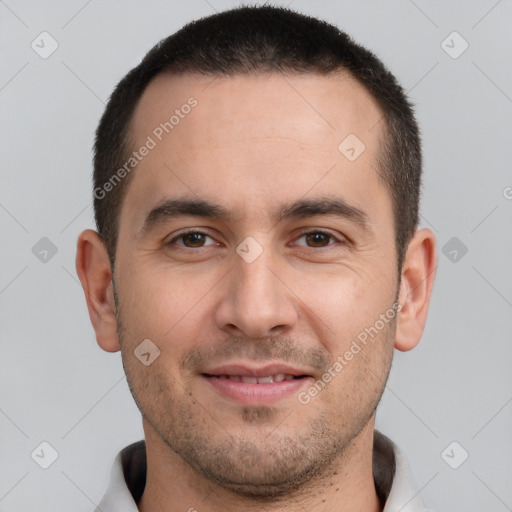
(265, 218)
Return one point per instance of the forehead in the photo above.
(272, 102)
(254, 139)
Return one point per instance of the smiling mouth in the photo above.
(249, 379)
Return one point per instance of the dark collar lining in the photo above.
(384, 465)
(133, 458)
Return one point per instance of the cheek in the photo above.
(347, 295)
(347, 306)
(161, 304)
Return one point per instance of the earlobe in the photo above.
(418, 274)
(95, 274)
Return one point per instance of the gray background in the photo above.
(58, 386)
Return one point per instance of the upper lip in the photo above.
(255, 371)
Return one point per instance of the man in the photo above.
(257, 261)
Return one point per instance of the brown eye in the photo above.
(318, 239)
(191, 240)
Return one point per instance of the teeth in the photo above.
(268, 379)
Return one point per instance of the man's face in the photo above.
(254, 294)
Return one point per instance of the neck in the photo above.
(172, 485)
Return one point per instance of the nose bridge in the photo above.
(256, 301)
(253, 276)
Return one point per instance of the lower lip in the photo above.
(256, 394)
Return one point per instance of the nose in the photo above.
(256, 300)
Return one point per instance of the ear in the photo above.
(95, 274)
(418, 272)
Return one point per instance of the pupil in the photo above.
(317, 238)
(194, 238)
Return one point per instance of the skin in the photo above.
(252, 144)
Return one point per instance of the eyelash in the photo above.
(305, 233)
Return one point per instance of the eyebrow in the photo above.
(300, 209)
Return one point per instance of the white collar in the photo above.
(390, 471)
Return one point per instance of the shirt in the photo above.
(393, 480)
